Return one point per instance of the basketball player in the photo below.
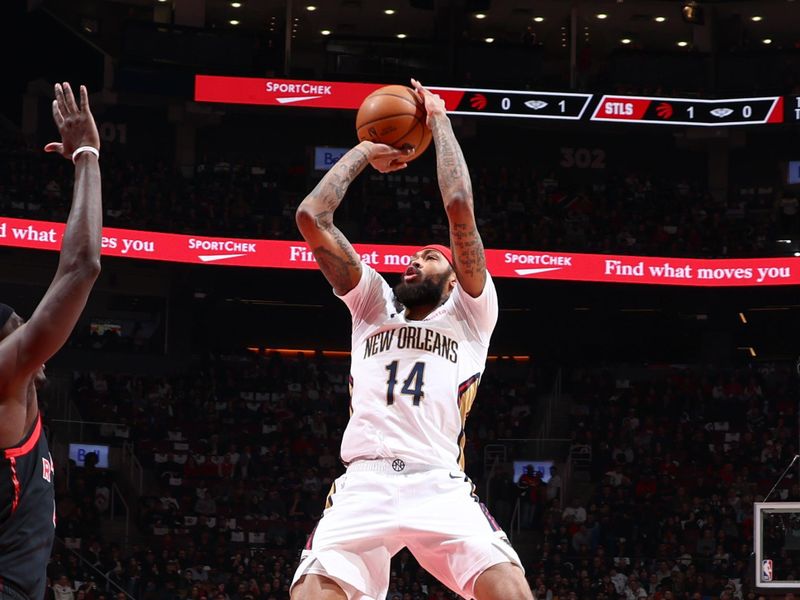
(418, 352)
(27, 501)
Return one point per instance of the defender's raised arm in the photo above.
(32, 343)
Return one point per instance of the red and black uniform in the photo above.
(27, 516)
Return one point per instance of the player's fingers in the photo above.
(84, 99)
(57, 116)
(54, 147)
(69, 98)
(396, 165)
(62, 107)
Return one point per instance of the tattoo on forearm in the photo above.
(324, 221)
(338, 260)
(450, 164)
(453, 174)
(339, 265)
(337, 269)
(332, 188)
(468, 250)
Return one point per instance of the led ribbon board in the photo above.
(517, 264)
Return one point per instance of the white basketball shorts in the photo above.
(374, 510)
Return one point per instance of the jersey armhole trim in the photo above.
(27, 445)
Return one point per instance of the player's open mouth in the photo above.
(411, 274)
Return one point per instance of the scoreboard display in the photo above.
(521, 104)
(680, 111)
(515, 103)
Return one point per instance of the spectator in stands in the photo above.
(63, 589)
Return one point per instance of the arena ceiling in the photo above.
(648, 24)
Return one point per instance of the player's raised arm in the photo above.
(79, 263)
(456, 188)
(335, 255)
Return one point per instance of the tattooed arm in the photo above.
(335, 255)
(456, 188)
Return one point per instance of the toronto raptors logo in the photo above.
(398, 465)
(47, 469)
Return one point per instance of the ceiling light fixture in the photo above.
(626, 41)
(233, 22)
(601, 16)
(488, 40)
(402, 36)
(389, 11)
(683, 44)
(660, 19)
(325, 32)
(756, 18)
(538, 19)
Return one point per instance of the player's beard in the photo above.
(426, 292)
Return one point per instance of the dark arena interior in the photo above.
(635, 176)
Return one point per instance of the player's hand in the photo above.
(386, 158)
(75, 123)
(434, 105)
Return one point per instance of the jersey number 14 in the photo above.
(412, 386)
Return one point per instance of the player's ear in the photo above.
(452, 280)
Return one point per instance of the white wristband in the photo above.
(91, 149)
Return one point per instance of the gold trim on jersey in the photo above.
(350, 390)
(466, 396)
(329, 498)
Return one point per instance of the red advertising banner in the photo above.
(295, 92)
(519, 264)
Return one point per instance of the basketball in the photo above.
(394, 115)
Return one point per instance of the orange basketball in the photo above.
(394, 115)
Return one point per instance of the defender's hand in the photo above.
(75, 123)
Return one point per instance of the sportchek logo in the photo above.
(544, 262)
(297, 92)
(228, 249)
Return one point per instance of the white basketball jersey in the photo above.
(413, 382)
